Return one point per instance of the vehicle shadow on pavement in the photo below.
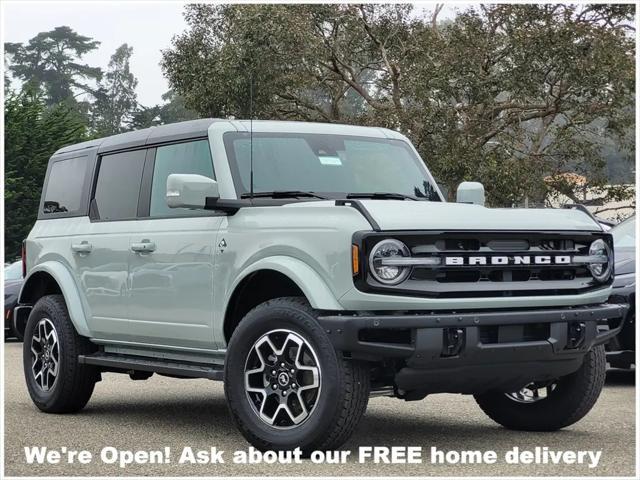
(203, 414)
(390, 429)
(197, 416)
(203, 417)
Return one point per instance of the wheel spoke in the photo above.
(42, 332)
(295, 419)
(43, 380)
(260, 368)
(300, 399)
(266, 340)
(297, 341)
(54, 367)
(36, 335)
(315, 375)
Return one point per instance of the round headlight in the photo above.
(383, 261)
(601, 270)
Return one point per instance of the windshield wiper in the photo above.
(382, 196)
(283, 194)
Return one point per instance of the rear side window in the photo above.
(118, 185)
(188, 157)
(64, 188)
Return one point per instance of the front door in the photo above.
(171, 256)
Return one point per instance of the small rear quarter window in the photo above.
(63, 193)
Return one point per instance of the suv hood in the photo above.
(405, 214)
(423, 215)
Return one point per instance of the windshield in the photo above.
(13, 271)
(329, 164)
(624, 234)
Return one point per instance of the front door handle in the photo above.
(83, 247)
(145, 246)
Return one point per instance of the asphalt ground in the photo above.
(163, 412)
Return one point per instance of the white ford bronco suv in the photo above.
(309, 267)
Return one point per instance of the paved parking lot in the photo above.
(163, 412)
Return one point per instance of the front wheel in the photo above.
(285, 384)
(552, 405)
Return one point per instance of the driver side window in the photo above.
(188, 157)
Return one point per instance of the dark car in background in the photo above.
(621, 349)
(12, 275)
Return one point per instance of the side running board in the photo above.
(128, 363)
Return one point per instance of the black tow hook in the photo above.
(575, 335)
(452, 341)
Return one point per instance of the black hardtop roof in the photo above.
(139, 138)
(174, 132)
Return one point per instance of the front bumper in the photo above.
(470, 352)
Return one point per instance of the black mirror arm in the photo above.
(230, 207)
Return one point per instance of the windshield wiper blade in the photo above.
(283, 194)
(382, 196)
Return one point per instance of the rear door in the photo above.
(171, 254)
(101, 254)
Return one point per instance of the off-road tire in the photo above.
(344, 391)
(74, 383)
(572, 399)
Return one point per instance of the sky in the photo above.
(147, 26)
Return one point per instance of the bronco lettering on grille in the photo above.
(510, 260)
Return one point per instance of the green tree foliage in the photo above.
(505, 94)
(33, 132)
(116, 99)
(172, 110)
(51, 62)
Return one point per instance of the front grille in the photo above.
(500, 274)
(491, 264)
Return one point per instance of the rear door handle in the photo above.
(145, 246)
(82, 247)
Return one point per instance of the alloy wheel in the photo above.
(45, 354)
(282, 378)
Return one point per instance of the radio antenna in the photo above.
(251, 136)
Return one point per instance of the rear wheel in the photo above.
(57, 383)
(285, 384)
(551, 405)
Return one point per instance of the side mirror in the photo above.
(190, 191)
(470, 192)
